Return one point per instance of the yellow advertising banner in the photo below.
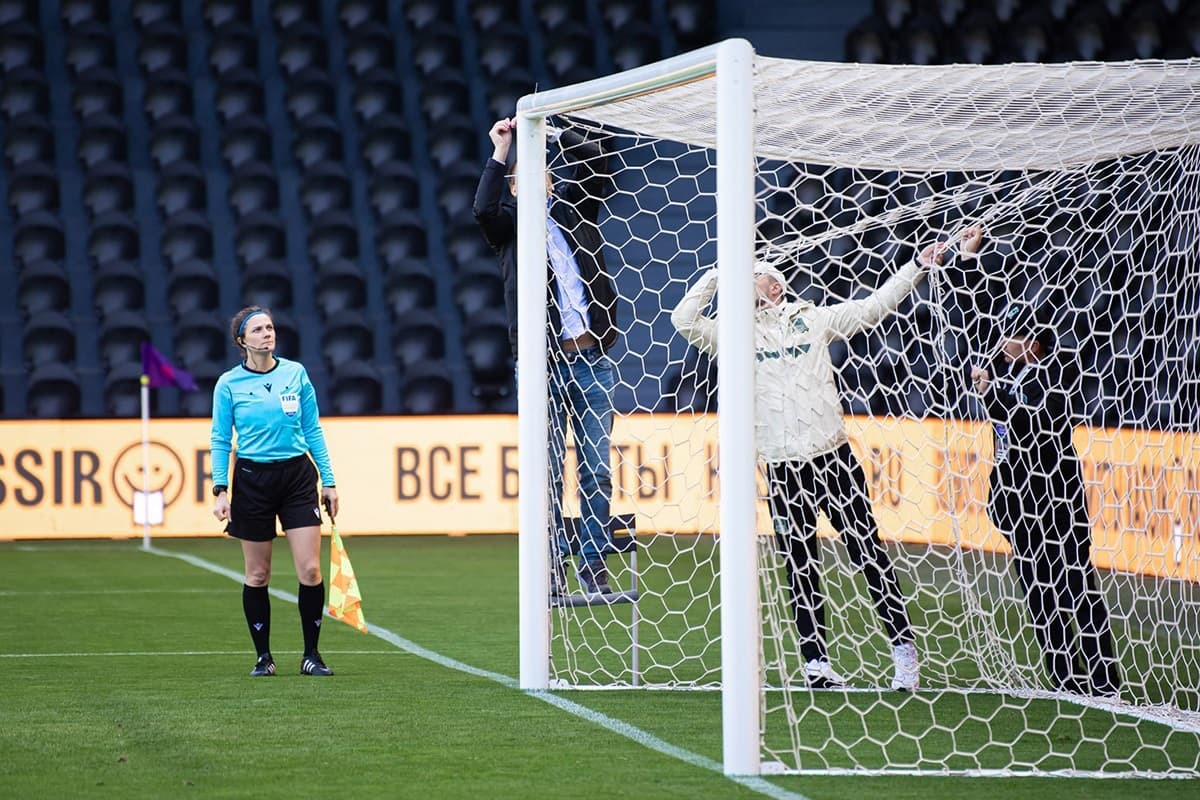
(459, 474)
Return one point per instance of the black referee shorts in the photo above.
(262, 492)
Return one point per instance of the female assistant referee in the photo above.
(271, 404)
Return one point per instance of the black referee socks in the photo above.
(312, 608)
(256, 602)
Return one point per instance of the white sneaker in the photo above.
(908, 670)
(820, 675)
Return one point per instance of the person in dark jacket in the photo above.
(581, 302)
(1037, 501)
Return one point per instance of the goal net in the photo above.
(971, 498)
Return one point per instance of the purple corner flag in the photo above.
(160, 371)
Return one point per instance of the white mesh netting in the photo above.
(1085, 180)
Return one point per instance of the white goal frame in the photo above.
(731, 64)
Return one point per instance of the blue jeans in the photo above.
(581, 388)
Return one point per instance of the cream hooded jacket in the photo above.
(798, 411)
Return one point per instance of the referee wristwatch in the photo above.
(217, 490)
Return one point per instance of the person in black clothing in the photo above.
(1037, 501)
(581, 299)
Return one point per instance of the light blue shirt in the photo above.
(275, 415)
(572, 300)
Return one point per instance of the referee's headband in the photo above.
(252, 314)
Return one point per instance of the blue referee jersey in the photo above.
(275, 415)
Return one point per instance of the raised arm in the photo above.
(688, 316)
(590, 181)
(495, 220)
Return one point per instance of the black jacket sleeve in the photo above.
(494, 217)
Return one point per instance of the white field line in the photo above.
(619, 727)
(133, 654)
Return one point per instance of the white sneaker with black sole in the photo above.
(820, 675)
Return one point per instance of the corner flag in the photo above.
(157, 371)
(345, 602)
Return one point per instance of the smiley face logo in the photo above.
(165, 476)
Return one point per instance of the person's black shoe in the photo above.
(593, 577)
(264, 667)
(558, 578)
(312, 664)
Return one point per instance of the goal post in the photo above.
(1053, 606)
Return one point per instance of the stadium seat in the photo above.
(504, 48)
(454, 141)
(118, 286)
(174, 139)
(123, 392)
(505, 90)
(289, 13)
(1086, 33)
(24, 92)
(487, 14)
(48, 338)
(233, 46)
(417, 337)
(464, 242)
(79, 12)
(53, 392)
(121, 337)
(167, 94)
(38, 236)
(162, 45)
(553, 13)
(239, 92)
(340, 286)
(222, 12)
(443, 93)
(1029, 37)
(570, 48)
(973, 42)
(619, 13)
(325, 187)
(479, 287)
(253, 187)
(90, 45)
(28, 138)
(394, 187)
(108, 187)
(149, 12)
(369, 47)
(20, 47)
(489, 355)
(102, 138)
(33, 187)
(377, 92)
(18, 11)
(428, 389)
(456, 188)
(267, 283)
(894, 13)
(409, 286)
(181, 187)
(43, 286)
(260, 235)
(310, 91)
(193, 286)
(187, 235)
(354, 13)
(918, 42)
(437, 47)
(421, 14)
(333, 236)
(634, 45)
(302, 45)
(317, 138)
(401, 235)
(347, 337)
(357, 389)
(199, 337)
(199, 402)
(246, 139)
(693, 23)
(385, 142)
(98, 91)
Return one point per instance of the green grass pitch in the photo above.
(124, 674)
